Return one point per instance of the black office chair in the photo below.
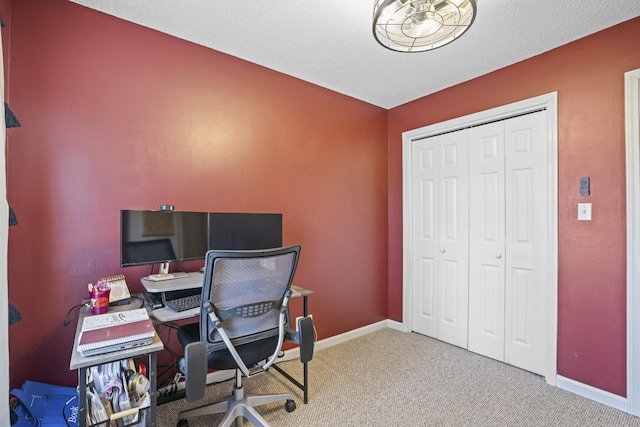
(244, 321)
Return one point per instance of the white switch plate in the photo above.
(584, 211)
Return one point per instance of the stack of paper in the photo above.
(104, 333)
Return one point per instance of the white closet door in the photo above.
(527, 226)
(440, 238)
(481, 228)
(508, 240)
(453, 239)
(424, 241)
(487, 240)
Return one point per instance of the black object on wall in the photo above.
(12, 217)
(14, 315)
(10, 118)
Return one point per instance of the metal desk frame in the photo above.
(81, 363)
(194, 280)
(304, 293)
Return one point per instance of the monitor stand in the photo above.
(160, 276)
(164, 274)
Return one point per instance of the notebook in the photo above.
(104, 333)
(116, 347)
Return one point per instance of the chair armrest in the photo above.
(307, 338)
(304, 337)
(195, 371)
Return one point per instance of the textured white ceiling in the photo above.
(330, 42)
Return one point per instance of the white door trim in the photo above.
(549, 102)
(632, 145)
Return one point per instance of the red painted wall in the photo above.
(589, 78)
(116, 116)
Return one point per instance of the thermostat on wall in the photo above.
(584, 186)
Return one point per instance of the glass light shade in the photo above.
(420, 25)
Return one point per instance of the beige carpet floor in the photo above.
(391, 378)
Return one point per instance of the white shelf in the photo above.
(192, 280)
(165, 314)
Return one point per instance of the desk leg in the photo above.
(82, 397)
(153, 388)
(305, 368)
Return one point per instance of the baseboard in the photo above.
(584, 390)
(294, 353)
(398, 326)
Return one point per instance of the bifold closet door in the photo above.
(440, 237)
(487, 240)
(527, 241)
(508, 240)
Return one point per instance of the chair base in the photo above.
(236, 408)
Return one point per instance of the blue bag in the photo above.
(46, 405)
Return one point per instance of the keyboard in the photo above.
(183, 303)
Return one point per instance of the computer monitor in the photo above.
(244, 231)
(155, 237)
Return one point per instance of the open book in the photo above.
(115, 331)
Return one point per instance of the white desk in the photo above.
(192, 281)
(164, 314)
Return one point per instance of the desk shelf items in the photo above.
(118, 394)
(113, 389)
(110, 332)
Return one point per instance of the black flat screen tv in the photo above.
(244, 231)
(155, 237)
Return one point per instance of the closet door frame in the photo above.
(548, 103)
(632, 119)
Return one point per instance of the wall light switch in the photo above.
(584, 211)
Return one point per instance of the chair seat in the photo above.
(250, 353)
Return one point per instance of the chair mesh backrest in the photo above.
(246, 290)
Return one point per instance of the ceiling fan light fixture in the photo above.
(421, 25)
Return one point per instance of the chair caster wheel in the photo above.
(290, 406)
(182, 423)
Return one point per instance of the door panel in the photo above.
(526, 240)
(453, 238)
(440, 238)
(424, 240)
(521, 324)
(486, 240)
